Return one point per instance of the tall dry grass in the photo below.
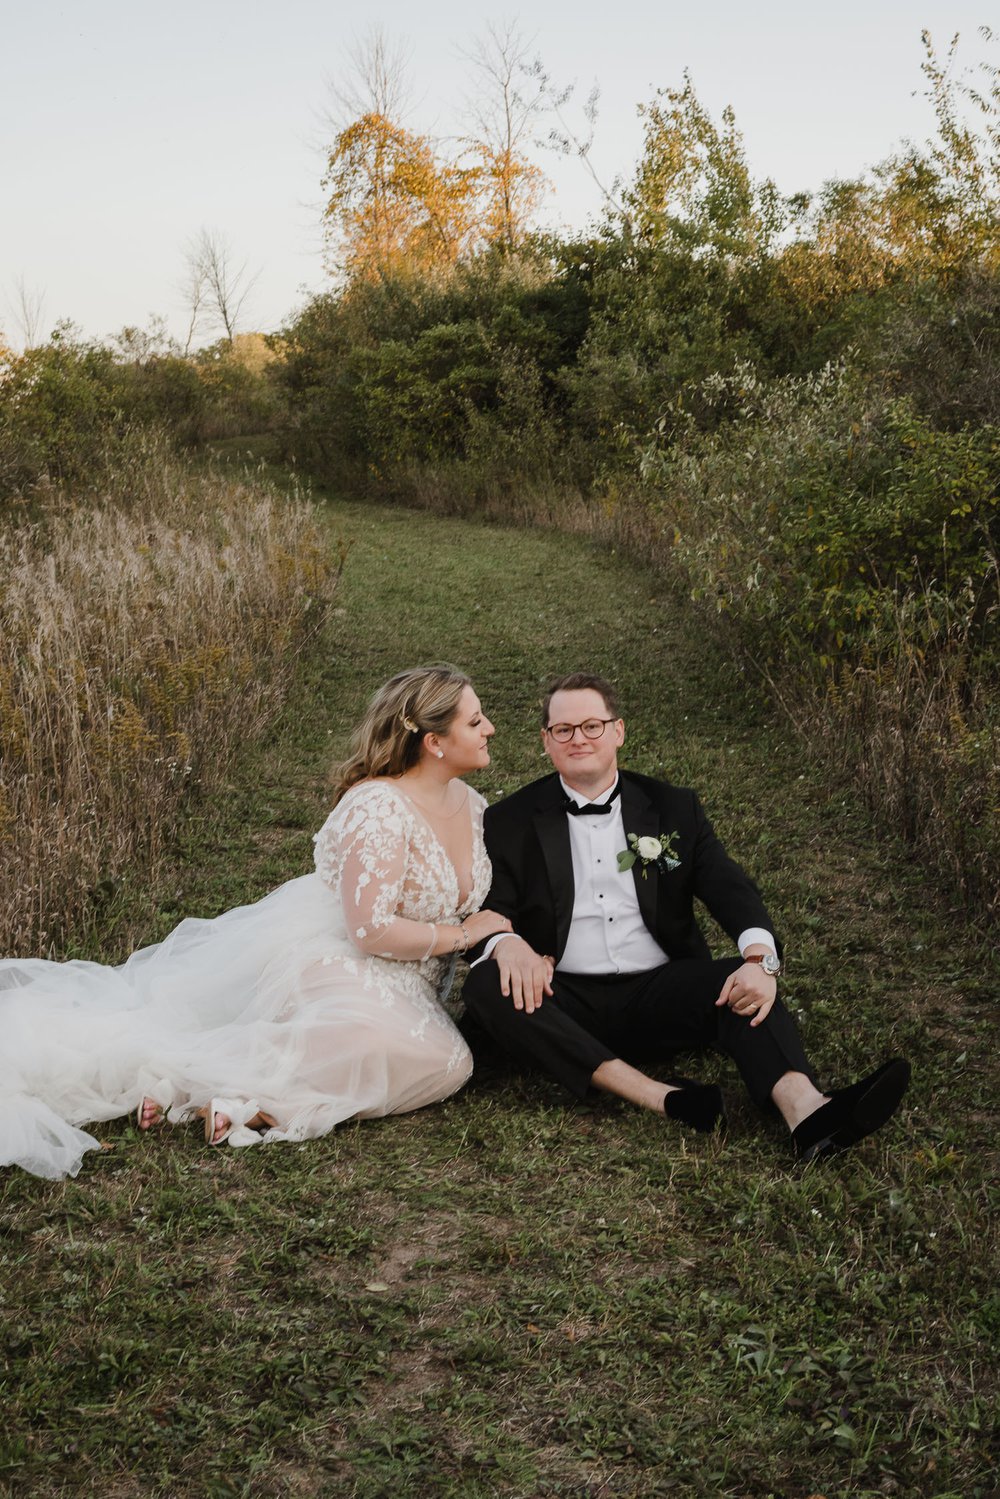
(615, 515)
(140, 645)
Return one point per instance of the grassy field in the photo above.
(512, 1294)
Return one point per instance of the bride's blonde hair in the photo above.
(387, 741)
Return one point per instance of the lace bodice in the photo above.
(392, 874)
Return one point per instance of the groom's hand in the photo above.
(750, 992)
(525, 976)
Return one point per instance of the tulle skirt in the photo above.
(269, 1002)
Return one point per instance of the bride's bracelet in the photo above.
(461, 943)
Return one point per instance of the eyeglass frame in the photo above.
(568, 739)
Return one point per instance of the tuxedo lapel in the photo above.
(551, 825)
(641, 818)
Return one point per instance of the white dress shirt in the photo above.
(607, 933)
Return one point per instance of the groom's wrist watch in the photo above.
(767, 961)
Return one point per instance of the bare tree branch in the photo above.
(27, 309)
(563, 137)
(375, 82)
(501, 113)
(216, 286)
(193, 291)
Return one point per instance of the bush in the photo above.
(60, 407)
(70, 410)
(406, 371)
(237, 390)
(849, 551)
(817, 504)
(941, 345)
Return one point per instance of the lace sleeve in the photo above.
(363, 850)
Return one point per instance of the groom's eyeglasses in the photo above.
(591, 728)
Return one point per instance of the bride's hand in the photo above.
(484, 924)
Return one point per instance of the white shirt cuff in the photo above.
(754, 935)
(487, 951)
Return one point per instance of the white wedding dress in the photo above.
(316, 1001)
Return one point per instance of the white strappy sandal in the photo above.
(150, 1114)
(237, 1111)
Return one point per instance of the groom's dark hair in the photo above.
(579, 681)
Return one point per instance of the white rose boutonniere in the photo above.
(658, 852)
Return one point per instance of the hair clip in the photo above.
(409, 724)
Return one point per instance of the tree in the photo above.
(502, 113)
(929, 214)
(375, 83)
(693, 188)
(133, 345)
(193, 290)
(966, 160)
(216, 288)
(28, 310)
(392, 203)
(565, 137)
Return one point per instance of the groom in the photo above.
(606, 967)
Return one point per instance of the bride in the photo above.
(319, 1003)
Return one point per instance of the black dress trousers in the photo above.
(638, 1017)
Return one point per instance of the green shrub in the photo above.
(817, 505)
(430, 371)
(59, 406)
(848, 549)
(69, 410)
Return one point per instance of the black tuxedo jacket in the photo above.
(527, 837)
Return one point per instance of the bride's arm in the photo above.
(369, 846)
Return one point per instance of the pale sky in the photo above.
(126, 127)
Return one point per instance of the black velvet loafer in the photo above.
(854, 1112)
(699, 1105)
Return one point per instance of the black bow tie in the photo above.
(593, 809)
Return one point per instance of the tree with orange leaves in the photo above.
(393, 204)
(395, 201)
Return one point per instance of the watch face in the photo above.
(771, 965)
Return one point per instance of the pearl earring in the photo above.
(440, 754)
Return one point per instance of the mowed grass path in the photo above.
(513, 1294)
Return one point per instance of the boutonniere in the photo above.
(659, 852)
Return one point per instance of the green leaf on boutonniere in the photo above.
(656, 852)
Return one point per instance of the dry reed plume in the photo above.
(139, 647)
